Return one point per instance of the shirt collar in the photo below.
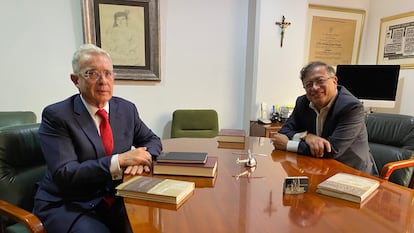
(92, 109)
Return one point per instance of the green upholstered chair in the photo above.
(194, 123)
(21, 166)
(9, 118)
(391, 140)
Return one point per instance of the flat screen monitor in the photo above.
(374, 85)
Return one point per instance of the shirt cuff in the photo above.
(115, 169)
(292, 146)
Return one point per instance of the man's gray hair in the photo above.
(83, 50)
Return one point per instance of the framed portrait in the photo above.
(334, 34)
(396, 40)
(128, 31)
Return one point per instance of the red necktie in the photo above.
(107, 140)
(106, 132)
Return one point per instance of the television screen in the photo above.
(370, 82)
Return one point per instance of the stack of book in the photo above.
(231, 138)
(186, 164)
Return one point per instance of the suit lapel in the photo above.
(87, 125)
(330, 121)
(114, 117)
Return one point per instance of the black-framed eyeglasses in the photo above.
(94, 75)
(320, 81)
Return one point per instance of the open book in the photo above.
(348, 187)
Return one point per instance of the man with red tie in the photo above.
(89, 141)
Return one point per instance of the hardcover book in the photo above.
(207, 169)
(231, 135)
(231, 145)
(200, 182)
(182, 157)
(156, 189)
(348, 187)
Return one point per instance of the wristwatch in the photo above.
(303, 136)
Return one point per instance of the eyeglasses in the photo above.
(94, 75)
(319, 82)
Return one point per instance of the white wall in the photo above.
(276, 68)
(206, 57)
(37, 43)
(202, 60)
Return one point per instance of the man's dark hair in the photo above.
(311, 66)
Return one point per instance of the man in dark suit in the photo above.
(327, 122)
(77, 191)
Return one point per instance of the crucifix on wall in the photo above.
(283, 25)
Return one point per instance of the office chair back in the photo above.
(194, 123)
(9, 118)
(21, 166)
(391, 139)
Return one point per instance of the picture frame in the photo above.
(129, 31)
(396, 41)
(334, 34)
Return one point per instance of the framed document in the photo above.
(334, 34)
(396, 41)
(128, 31)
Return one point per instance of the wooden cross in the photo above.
(283, 25)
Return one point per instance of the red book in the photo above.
(231, 135)
(231, 145)
(207, 169)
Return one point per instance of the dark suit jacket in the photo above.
(78, 173)
(344, 128)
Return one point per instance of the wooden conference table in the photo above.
(256, 204)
